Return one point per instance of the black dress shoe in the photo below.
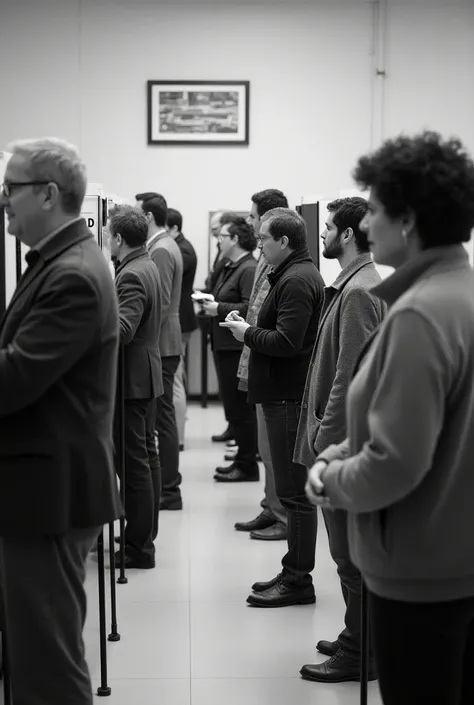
(224, 469)
(173, 504)
(236, 475)
(133, 563)
(328, 648)
(337, 669)
(260, 522)
(261, 587)
(276, 532)
(223, 437)
(282, 595)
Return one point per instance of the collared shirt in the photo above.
(151, 241)
(47, 238)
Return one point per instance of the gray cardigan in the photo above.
(408, 482)
(350, 314)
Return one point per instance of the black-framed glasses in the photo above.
(7, 188)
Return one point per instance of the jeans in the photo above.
(139, 484)
(270, 504)
(281, 418)
(42, 583)
(239, 413)
(424, 651)
(351, 581)
(168, 441)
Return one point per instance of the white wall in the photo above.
(78, 69)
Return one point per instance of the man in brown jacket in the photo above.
(350, 314)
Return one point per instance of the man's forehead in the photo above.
(265, 227)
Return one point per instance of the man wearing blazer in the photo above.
(187, 316)
(58, 368)
(139, 295)
(349, 316)
(165, 253)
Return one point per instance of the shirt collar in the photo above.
(155, 237)
(435, 259)
(44, 240)
(351, 269)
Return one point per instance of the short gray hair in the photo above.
(50, 159)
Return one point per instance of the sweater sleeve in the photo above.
(295, 310)
(405, 418)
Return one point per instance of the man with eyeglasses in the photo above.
(58, 368)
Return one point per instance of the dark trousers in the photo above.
(281, 418)
(424, 652)
(351, 581)
(167, 430)
(42, 580)
(239, 413)
(142, 479)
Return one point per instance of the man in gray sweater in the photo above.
(350, 314)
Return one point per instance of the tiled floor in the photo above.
(188, 637)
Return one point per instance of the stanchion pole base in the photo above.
(114, 637)
(122, 581)
(104, 692)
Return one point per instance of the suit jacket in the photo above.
(165, 254)
(349, 316)
(58, 369)
(139, 294)
(232, 290)
(187, 317)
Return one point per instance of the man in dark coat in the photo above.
(58, 370)
(187, 316)
(139, 294)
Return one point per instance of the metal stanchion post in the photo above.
(364, 645)
(122, 580)
(114, 635)
(103, 689)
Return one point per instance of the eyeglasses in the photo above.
(7, 188)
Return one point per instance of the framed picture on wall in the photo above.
(198, 112)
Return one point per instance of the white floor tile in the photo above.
(275, 691)
(148, 692)
(188, 637)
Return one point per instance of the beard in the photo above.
(334, 251)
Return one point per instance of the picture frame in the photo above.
(207, 113)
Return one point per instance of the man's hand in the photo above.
(236, 324)
(210, 307)
(315, 486)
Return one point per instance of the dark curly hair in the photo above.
(349, 213)
(269, 199)
(432, 177)
(240, 227)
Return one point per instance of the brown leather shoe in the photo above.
(275, 532)
(282, 595)
(337, 669)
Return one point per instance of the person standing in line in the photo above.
(232, 292)
(349, 316)
(58, 370)
(187, 317)
(166, 255)
(271, 523)
(138, 285)
(227, 436)
(405, 474)
(281, 345)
